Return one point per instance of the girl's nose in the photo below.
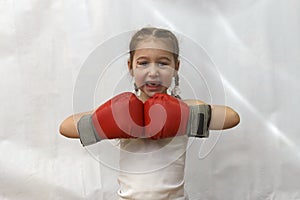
(153, 70)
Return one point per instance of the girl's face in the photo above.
(153, 68)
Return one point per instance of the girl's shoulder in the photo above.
(192, 102)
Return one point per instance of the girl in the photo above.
(149, 168)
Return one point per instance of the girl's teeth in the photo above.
(153, 84)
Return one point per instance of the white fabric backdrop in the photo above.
(254, 44)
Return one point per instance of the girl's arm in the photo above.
(68, 127)
(222, 117)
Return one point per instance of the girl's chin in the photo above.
(148, 94)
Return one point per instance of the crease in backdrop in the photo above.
(254, 45)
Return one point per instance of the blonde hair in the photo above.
(151, 32)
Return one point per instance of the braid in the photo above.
(176, 91)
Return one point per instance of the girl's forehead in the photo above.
(152, 53)
(155, 44)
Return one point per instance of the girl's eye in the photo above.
(142, 63)
(163, 64)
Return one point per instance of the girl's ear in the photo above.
(129, 65)
(177, 64)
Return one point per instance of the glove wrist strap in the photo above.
(199, 120)
(86, 131)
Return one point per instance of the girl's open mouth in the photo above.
(153, 84)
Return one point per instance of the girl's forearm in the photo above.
(223, 117)
(68, 127)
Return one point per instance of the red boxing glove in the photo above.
(165, 116)
(161, 116)
(120, 117)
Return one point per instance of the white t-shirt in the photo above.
(152, 169)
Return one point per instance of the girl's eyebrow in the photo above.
(164, 57)
(142, 57)
(159, 58)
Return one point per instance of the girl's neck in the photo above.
(144, 97)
